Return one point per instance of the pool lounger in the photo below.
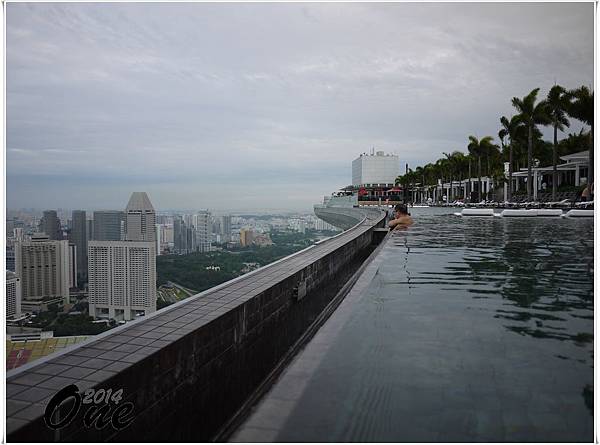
(532, 212)
(579, 213)
(550, 212)
(519, 212)
(477, 212)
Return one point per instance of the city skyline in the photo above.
(247, 106)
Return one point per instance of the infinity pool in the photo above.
(460, 329)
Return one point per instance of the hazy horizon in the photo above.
(229, 105)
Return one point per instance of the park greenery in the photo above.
(190, 270)
(65, 324)
(521, 141)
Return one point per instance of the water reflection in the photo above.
(541, 267)
(466, 330)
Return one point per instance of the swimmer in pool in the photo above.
(401, 219)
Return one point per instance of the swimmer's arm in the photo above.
(394, 222)
(400, 222)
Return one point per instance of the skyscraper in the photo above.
(246, 237)
(43, 266)
(185, 235)
(107, 225)
(158, 238)
(10, 257)
(79, 238)
(89, 230)
(18, 234)
(140, 218)
(179, 235)
(203, 228)
(50, 225)
(226, 227)
(122, 274)
(13, 295)
(122, 279)
(73, 261)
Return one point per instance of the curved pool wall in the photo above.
(340, 217)
(189, 368)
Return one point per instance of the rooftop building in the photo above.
(13, 295)
(44, 267)
(122, 279)
(375, 169)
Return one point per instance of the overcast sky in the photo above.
(247, 106)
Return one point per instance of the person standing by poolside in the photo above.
(401, 219)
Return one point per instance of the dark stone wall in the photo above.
(189, 388)
(204, 379)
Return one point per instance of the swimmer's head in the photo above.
(401, 209)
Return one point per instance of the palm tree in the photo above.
(477, 148)
(450, 167)
(509, 129)
(442, 170)
(456, 162)
(420, 175)
(531, 114)
(558, 101)
(582, 109)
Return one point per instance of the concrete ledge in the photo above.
(188, 368)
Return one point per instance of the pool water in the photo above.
(461, 329)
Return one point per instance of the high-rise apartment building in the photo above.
(50, 225)
(246, 237)
(18, 234)
(140, 218)
(89, 231)
(158, 238)
(122, 274)
(166, 235)
(179, 235)
(191, 233)
(10, 226)
(73, 265)
(226, 228)
(79, 238)
(202, 223)
(13, 295)
(43, 266)
(10, 257)
(122, 279)
(107, 225)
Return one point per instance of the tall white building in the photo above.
(158, 239)
(226, 228)
(122, 274)
(73, 266)
(13, 295)
(122, 279)
(164, 237)
(44, 267)
(202, 223)
(140, 218)
(18, 234)
(375, 169)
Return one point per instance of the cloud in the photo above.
(209, 105)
